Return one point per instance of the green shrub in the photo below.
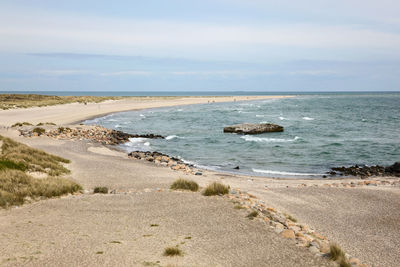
(216, 188)
(185, 185)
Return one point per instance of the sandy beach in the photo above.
(115, 229)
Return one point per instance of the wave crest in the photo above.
(251, 138)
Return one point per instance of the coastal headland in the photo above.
(296, 221)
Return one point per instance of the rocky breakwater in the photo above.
(88, 132)
(367, 171)
(249, 128)
(163, 160)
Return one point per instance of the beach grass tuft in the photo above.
(39, 130)
(343, 262)
(252, 215)
(336, 252)
(33, 160)
(19, 124)
(216, 188)
(290, 217)
(172, 251)
(17, 186)
(184, 184)
(100, 190)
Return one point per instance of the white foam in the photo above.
(251, 138)
(308, 119)
(140, 143)
(141, 115)
(170, 137)
(117, 126)
(286, 173)
(260, 115)
(282, 118)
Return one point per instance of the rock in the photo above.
(198, 173)
(288, 234)
(354, 261)
(393, 170)
(248, 128)
(313, 249)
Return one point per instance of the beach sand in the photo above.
(115, 229)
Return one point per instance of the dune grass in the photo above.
(336, 252)
(216, 188)
(185, 185)
(9, 101)
(19, 124)
(31, 159)
(252, 215)
(100, 190)
(172, 251)
(16, 186)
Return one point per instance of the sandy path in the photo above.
(70, 113)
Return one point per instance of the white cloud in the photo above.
(36, 32)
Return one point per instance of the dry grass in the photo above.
(39, 130)
(336, 253)
(100, 190)
(216, 188)
(16, 186)
(19, 124)
(9, 101)
(34, 160)
(185, 185)
(252, 215)
(172, 251)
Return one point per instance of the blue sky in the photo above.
(255, 45)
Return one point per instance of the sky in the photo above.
(208, 45)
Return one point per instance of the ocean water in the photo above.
(321, 131)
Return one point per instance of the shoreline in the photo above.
(75, 112)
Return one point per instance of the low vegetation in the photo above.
(39, 130)
(216, 188)
(290, 217)
(10, 101)
(31, 159)
(45, 123)
(338, 255)
(17, 186)
(100, 190)
(172, 251)
(336, 252)
(19, 124)
(185, 185)
(252, 215)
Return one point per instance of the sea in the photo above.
(321, 131)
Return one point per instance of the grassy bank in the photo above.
(18, 162)
(9, 101)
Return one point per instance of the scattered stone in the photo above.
(313, 249)
(288, 234)
(248, 128)
(367, 171)
(236, 168)
(198, 173)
